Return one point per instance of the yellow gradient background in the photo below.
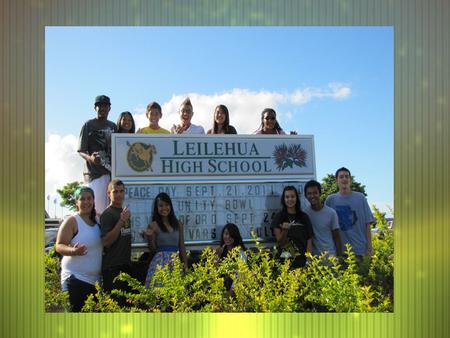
(422, 187)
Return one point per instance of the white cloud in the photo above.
(63, 164)
(339, 91)
(301, 96)
(333, 90)
(140, 120)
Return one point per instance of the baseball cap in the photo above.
(102, 99)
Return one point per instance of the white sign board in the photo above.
(211, 179)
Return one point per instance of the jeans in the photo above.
(111, 273)
(109, 283)
(78, 292)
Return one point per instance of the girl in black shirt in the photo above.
(292, 228)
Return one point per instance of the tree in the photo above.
(329, 186)
(67, 195)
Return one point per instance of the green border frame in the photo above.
(421, 165)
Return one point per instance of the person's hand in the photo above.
(95, 158)
(79, 249)
(285, 226)
(149, 232)
(125, 216)
(179, 129)
(219, 250)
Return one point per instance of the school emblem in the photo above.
(140, 156)
(285, 156)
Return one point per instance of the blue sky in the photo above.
(335, 83)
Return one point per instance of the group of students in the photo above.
(320, 228)
(96, 242)
(221, 121)
(97, 249)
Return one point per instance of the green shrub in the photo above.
(333, 288)
(380, 268)
(102, 302)
(262, 284)
(55, 300)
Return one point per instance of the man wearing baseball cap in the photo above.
(94, 147)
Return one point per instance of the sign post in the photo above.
(211, 179)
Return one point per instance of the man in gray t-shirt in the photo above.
(324, 221)
(355, 216)
(94, 146)
(116, 237)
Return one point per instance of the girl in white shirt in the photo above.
(79, 242)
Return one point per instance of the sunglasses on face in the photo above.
(270, 118)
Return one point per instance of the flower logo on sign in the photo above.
(288, 157)
(140, 156)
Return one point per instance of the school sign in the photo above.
(212, 179)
